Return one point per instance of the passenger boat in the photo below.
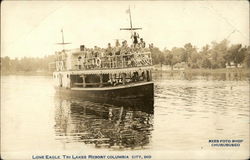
(120, 72)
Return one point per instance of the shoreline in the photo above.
(243, 71)
(207, 71)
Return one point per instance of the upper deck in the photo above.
(102, 59)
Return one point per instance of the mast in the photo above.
(131, 25)
(63, 43)
(62, 38)
(130, 20)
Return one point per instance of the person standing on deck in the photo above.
(79, 62)
(117, 43)
(96, 53)
(117, 47)
(124, 48)
(135, 37)
(109, 50)
(142, 43)
(109, 53)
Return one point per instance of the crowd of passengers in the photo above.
(114, 57)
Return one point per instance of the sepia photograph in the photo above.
(125, 80)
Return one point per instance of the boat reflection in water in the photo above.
(120, 125)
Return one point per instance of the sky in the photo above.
(32, 28)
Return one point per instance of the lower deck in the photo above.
(102, 78)
(117, 83)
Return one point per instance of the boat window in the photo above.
(67, 75)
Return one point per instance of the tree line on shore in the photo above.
(216, 55)
(26, 64)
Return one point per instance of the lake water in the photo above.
(187, 112)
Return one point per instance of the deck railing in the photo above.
(107, 62)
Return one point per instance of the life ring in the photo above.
(98, 62)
